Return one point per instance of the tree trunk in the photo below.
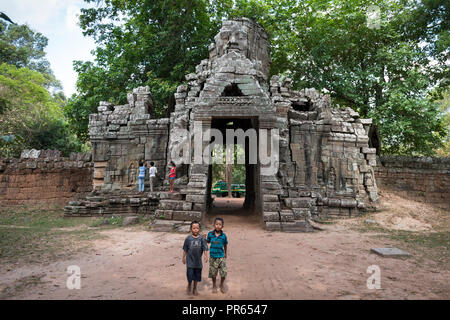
(229, 174)
(379, 89)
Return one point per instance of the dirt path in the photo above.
(134, 263)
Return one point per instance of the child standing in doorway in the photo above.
(218, 254)
(193, 248)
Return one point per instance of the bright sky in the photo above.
(57, 20)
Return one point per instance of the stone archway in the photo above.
(249, 128)
(234, 83)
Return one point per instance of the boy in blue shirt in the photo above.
(218, 254)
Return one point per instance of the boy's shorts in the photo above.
(194, 274)
(217, 265)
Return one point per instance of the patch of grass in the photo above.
(370, 228)
(433, 245)
(111, 221)
(325, 222)
(146, 218)
(35, 235)
(434, 240)
(41, 218)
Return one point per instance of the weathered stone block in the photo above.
(164, 214)
(271, 206)
(187, 206)
(348, 203)
(273, 226)
(300, 213)
(286, 215)
(162, 225)
(302, 202)
(297, 226)
(271, 216)
(170, 195)
(390, 252)
(198, 207)
(187, 215)
(130, 220)
(270, 198)
(195, 198)
(171, 204)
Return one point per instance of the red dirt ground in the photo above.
(134, 263)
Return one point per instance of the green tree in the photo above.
(442, 98)
(430, 23)
(29, 111)
(148, 42)
(381, 72)
(22, 47)
(30, 116)
(385, 73)
(238, 172)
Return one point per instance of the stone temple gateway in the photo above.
(325, 165)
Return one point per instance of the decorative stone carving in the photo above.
(132, 174)
(325, 163)
(332, 178)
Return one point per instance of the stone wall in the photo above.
(324, 165)
(121, 136)
(428, 179)
(45, 177)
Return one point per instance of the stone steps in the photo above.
(178, 215)
(170, 226)
(171, 195)
(291, 226)
(117, 203)
(168, 204)
(300, 202)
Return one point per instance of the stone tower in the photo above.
(324, 165)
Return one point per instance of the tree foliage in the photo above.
(443, 100)
(385, 72)
(22, 47)
(382, 72)
(31, 103)
(238, 170)
(148, 42)
(30, 113)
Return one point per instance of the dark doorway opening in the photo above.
(232, 90)
(246, 174)
(302, 105)
(375, 139)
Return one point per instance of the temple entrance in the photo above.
(234, 188)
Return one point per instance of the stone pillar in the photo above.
(199, 184)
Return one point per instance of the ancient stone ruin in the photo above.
(324, 164)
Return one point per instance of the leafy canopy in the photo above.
(30, 113)
(385, 72)
(22, 47)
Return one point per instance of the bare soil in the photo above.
(134, 263)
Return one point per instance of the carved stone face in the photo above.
(245, 37)
(232, 37)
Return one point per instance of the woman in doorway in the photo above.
(172, 175)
